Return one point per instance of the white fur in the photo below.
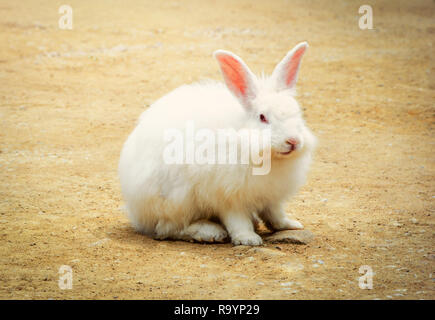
(176, 201)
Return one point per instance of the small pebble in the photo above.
(286, 284)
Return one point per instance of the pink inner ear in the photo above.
(234, 73)
(293, 66)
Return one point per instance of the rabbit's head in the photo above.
(269, 101)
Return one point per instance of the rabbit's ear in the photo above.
(238, 78)
(286, 72)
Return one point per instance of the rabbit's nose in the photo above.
(293, 143)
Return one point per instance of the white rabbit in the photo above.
(208, 202)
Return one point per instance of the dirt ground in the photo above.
(69, 98)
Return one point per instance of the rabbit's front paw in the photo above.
(211, 234)
(247, 239)
(288, 224)
(206, 231)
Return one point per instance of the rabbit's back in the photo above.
(206, 104)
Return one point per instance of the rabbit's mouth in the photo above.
(292, 148)
(284, 154)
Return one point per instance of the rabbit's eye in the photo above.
(263, 118)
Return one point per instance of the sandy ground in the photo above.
(69, 98)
